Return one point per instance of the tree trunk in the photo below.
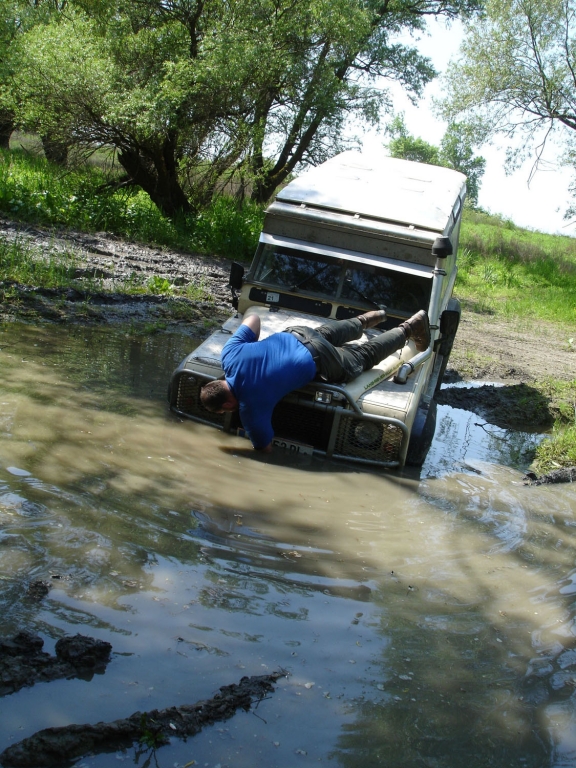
(269, 181)
(55, 150)
(6, 127)
(156, 173)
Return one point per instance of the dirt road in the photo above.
(493, 350)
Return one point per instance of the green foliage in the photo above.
(161, 285)
(151, 734)
(502, 268)
(562, 397)
(31, 189)
(455, 151)
(407, 147)
(557, 451)
(255, 87)
(24, 265)
(228, 228)
(516, 77)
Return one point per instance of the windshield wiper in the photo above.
(366, 299)
(310, 277)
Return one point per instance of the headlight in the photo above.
(367, 434)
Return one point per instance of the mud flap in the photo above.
(422, 434)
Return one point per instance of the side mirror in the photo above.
(442, 247)
(236, 275)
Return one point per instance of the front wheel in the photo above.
(422, 435)
(449, 322)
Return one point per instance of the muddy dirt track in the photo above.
(486, 349)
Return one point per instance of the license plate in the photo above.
(293, 447)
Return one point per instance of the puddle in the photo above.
(426, 618)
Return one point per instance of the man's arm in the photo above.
(253, 322)
(258, 424)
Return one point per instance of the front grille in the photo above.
(187, 401)
(356, 439)
(368, 440)
(311, 426)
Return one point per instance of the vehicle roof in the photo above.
(377, 186)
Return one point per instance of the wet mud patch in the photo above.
(52, 746)
(515, 406)
(105, 265)
(562, 475)
(24, 663)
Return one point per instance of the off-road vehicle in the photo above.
(356, 233)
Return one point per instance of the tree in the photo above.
(455, 151)
(9, 28)
(193, 93)
(516, 76)
(16, 17)
(136, 76)
(342, 73)
(407, 147)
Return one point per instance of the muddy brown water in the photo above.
(426, 618)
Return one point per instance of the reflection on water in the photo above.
(426, 618)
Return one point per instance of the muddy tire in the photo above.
(421, 436)
(449, 322)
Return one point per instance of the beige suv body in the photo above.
(353, 234)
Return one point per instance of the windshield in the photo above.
(288, 269)
(296, 270)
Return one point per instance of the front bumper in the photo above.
(338, 430)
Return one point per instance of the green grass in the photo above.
(526, 276)
(33, 190)
(516, 273)
(28, 266)
(559, 450)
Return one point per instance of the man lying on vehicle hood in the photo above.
(258, 374)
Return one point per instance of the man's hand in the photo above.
(268, 449)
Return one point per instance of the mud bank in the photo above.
(24, 663)
(104, 266)
(52, 746)
(562, 475)
(513, 406)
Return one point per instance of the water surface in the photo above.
(426, 618)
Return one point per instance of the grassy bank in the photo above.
(504, 271)
(515, 273)
(38, 192)
(526, 276)
(558, 451)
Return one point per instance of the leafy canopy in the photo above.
(195, 94)
(516, 76)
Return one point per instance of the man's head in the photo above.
(217, 397)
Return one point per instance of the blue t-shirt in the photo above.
(261, 373)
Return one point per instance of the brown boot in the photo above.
(418, 328)
(370, 319)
